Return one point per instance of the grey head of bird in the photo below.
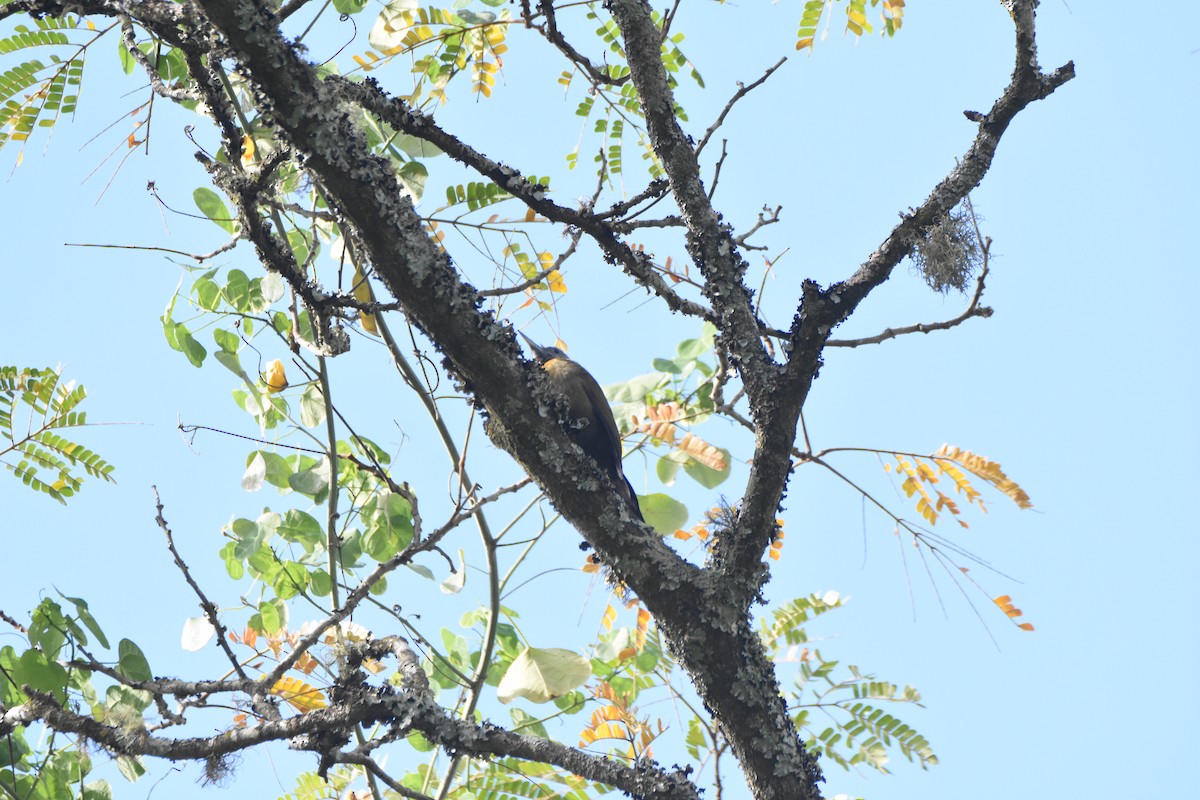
(543, 354)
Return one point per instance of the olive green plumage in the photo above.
(592, 427)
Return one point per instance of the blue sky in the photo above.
(1082, 384)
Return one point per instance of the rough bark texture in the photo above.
(704, 612)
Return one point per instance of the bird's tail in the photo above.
(632, 501)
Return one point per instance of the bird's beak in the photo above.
(537, 349)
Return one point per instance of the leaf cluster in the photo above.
(48, 462)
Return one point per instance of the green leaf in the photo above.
(299, 526)
(635, 390)
(706, 476)
(237, 290)
(540, 675)
(663, 365)
(131, 767)
(667, 467)
(348, 7)
(312, 406)
(663, 513)
(312, 482)
(290, 580)
(273, 614)
(457, 579)
(691, 349)
(233, 563)
(226, 340)
(47, 629)
(320, 582)
(524, 722)
(41, 672)
(132, 663)
(208, 294)
(85, 616)
(233, 363)
(211, 205)
(127, 62)
(255, 474)
(414, 175)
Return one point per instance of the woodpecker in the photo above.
(592, 425)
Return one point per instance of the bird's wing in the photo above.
(604, 415)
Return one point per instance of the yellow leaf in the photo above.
(609, 617)
(300, 695)
(275, 378)
(643, 625)
(364, 295)
(990, 471)
(556, 282)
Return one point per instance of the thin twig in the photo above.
(742, 91)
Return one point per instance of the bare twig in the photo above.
(742, 91)
(209, 608)
(973, 310)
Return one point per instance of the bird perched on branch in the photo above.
(592, 426)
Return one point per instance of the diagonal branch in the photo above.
(709, 240)
(822, 310)
(402, 117)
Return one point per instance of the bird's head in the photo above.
(544, 354)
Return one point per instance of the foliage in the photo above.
(34, 437)
(323, 558)
(36, 94)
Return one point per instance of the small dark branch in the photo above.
(206, 605)
(655, 191)
(307, 213)
(973, 310)
(372, 766)
(742, 91)
(599, 75)
(338, 615)
(246, 190)
(541, 276)
(16, 625)
(709, 240)
(768, 216)
(664, 222)
(669, 19)
(466, 513)
(199, 258)
(712, 190)
(822, 310)
(165, 686)
(1028, 84)
(291, 7)
(274, 252)
(401, 116)
(643, 780)
(520, 287)
(164, 17)
(156, 81)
